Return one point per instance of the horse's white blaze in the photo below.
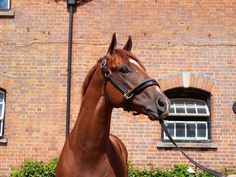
(135, 63)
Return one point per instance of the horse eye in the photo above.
(124, 70)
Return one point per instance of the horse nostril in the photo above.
(161, 104)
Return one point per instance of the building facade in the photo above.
(188, 46)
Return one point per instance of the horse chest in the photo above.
(111, 166)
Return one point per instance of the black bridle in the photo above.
(128, 94)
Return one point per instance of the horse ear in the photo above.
(128, 45)
(113, 44)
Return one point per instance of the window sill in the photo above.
(3, 142)
(8, 14)
(168, 145)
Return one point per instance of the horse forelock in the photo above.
(127, 55)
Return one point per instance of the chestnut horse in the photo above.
(118, 80)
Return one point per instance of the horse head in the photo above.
(128, 85)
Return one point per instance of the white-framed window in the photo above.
(190, 115)
(2, 111)
(5, 4)
(188, 120)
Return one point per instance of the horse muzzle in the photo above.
(161, 111)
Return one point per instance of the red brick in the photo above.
(168, 36)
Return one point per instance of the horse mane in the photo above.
(88, 77)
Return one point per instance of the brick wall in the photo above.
(171, 37)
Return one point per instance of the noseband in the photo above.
(128, 94)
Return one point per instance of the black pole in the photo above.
(71, 4)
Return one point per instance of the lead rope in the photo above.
(213, 172)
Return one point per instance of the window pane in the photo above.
(201, 110)
(1, 107)
(1, 127)
(180, 110)
(179, 102)
(201, 130)
(191, 130)
(1, 95)
(170, 127)
(4, 4)
(180, 130)
(189, 103)
(172, 110)
(200, 103)
(191, 110)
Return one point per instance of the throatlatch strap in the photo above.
(213, 172)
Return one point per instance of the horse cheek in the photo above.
(115, 97)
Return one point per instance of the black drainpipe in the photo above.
(71, 4)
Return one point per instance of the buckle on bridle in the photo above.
(103, 64)
(127, 95)
(107, 73)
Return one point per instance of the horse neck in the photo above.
(92, 128)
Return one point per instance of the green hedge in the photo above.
(36, 169)
(40, 169)
(177, 171)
